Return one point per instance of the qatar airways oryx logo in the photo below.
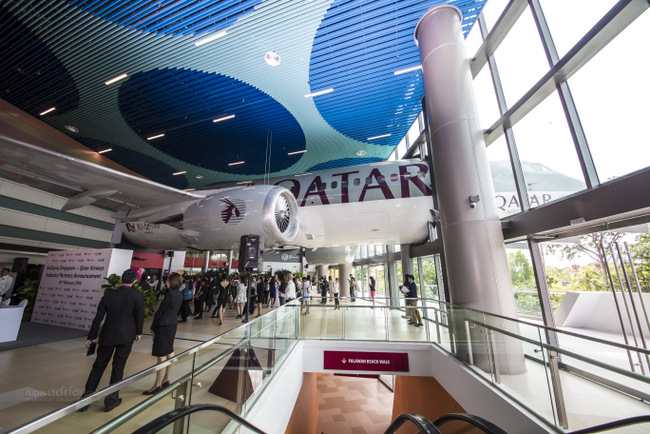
(232, 210)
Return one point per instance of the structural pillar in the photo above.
(322, 271)
(477, 265)
(345, 270)
(207, 254)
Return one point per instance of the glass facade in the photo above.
(564, 135)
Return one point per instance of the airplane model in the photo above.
(387, 202)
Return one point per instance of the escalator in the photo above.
(470, 423)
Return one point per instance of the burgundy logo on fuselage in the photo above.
(233, 211)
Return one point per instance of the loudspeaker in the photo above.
(20, 265)
(249, 253)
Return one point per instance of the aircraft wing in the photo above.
(83, 182)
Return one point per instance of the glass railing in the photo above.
(544, 369)
(562, 377)
(231, 370)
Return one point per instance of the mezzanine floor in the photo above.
(42, 378)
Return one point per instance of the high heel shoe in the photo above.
(153, 391)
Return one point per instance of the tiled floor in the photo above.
(352, 405)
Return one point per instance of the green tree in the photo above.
(588, 245)
(640, 252)
(521, 271)
(588, 278)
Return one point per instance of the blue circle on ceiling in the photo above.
(357, 49)
(31, 77)
(183, 104)
(169, 17)
(142, 164)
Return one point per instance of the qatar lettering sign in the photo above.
(366, 361)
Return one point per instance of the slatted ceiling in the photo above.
(352, 46)
(170, 18)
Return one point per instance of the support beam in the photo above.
(476, 259)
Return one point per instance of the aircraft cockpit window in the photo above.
(381, 178)
(334, 184)
(357, 182)
(323, 186)
(312, 187)
(344, 184)
(394, 177)
(368, 180)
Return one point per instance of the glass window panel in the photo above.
(414, 132)
(569, 21)
(486, 99)
(520, 58)
(505, 191)
(548, 156)
(473, 40)
(492, 11)
(523, 281)
(612, 95)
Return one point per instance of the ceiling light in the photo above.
(320, 92)
(297, 152)
(378, 137)
(71, 128)
(236, 163)
(361, 152)
(199, 176)
(116, 79)
(210, 38)
(103, 151)
(272, 58)
(179, 173)
(405, 70)
(50, 110)
(225, 118)
(156, 137)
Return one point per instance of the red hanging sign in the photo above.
(366, 361)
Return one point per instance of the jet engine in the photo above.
(219, 220)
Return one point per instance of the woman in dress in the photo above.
(240, 299)
(163, 328)
(273, 291)
(223, 297)
(371, 284)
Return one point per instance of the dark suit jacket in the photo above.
(167, 313)
(124, 312)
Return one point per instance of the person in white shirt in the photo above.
(290, 292)
(306, 294)
(5, 282)
(335, 289)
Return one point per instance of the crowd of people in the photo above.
(184, 296)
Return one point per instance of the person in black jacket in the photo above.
(124, 312)
(163, 328)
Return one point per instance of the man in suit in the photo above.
(124, 313)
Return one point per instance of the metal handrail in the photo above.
(571, 354)
(159, 423)
(75, 406)
(474, 420)
(423, 424)
(611, 425)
